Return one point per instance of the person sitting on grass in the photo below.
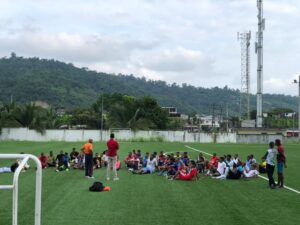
(43, 159)
(79, 161)
(262, 166)
(161, 159)
(201, 163)
(61, 162)
(222, 170)
(150, 167)
(97, 161)
(129, 161)
(177, 155)
(172, 167)
(252, 173)
(73, 154)
(185, 159)
(145, 159)
(189, 172)
(104, 158)
(234, 173)
(51, 161)
(163, 165)
(26, 166)
(236, 159)
(213, 161)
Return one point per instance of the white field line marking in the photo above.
(286, 187)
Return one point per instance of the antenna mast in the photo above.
(245, 73)
(259, 52)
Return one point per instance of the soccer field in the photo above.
(151, 199)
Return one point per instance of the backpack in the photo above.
(96, 187)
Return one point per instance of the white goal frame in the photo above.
(15, 185)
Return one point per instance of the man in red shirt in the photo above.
(43, 159)
(111, 153)
(281, 162)
(88, 152)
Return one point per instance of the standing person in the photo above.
(111, 153)
(280, 162)
(88, 152)
(270, 160)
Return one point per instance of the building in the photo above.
(211, 121)
(172, 111)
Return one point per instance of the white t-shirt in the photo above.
(271, 157)
(151, 163)
(221, 167)
(251, 173)
(235, 161)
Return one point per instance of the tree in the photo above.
(30, 116)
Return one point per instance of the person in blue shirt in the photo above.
(185, 159)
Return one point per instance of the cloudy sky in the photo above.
(182, 41)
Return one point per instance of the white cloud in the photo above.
(183, 41)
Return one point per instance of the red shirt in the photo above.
(112, 148)
(281, 155)
(129, 158)
(188, 176)
(43, 159)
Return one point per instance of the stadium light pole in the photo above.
(102, 117)
(298, 82)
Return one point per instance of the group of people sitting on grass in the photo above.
(181, 166)
(64, 161)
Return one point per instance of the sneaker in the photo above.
(87, 176)
(67, 170)
(107, 178)
(92, 177)
(116, 178)
(57, 170)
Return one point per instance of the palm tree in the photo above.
(30, 116)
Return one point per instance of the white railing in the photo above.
(14, 186)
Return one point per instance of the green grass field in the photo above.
(150, 199)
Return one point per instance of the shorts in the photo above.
(280, 167)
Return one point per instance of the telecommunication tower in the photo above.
(259, 52)
(245, 73)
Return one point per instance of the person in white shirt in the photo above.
(236, 159)
(10, 169)
(253, 172)
(270, 158)
(150, 167)
(220, 173)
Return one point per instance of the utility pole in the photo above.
(299, 108)
(259, 51)
(298, 82)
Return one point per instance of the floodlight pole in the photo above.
(299, 108)
(102, 117)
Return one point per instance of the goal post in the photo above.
(15, 186)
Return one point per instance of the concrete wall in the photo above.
(24, 134)
(257, 138)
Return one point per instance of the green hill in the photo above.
(62, 84)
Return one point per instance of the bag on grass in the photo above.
(96, 187)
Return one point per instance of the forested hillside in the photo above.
(64, 85)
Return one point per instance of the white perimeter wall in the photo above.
(24, 134)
